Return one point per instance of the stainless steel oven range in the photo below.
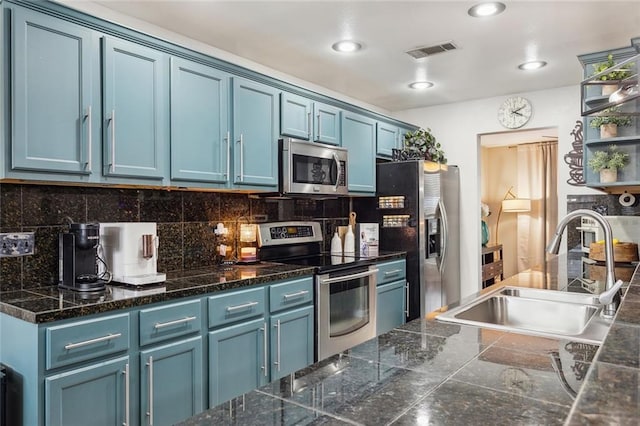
(345, 287)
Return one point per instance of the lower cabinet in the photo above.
(97, 394)
(171, 382)
(391, 306)
(291, 341)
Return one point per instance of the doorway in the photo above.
(518, 175)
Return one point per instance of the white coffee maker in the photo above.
(130, 250)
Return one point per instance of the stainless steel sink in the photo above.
(550, 313)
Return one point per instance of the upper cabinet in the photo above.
(200, 135)
(136, 109)
(54, 109)
(304, 119)
(359, 137)
(255, 131)
(388, 138)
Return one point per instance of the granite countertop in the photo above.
(430, 372)
(49, 303)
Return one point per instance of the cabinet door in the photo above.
(200, 149)
(359, 137)
(52, 105)
(237, 360)
(291, 343)
(295, 116)
(171, 383)
(326, 124)
(390, 306)
(136, 106)
(387, 139)
(97, 394)
(255, 128)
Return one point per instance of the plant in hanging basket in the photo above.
(421, 144)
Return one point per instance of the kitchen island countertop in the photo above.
(429, 372)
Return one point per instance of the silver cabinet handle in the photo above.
(174, 322)
(89, 138)
(228, 141)
(277, 327)
(406, 292)
(92, 341)
(349, 277)
(113, 140)
(241, 142)
(296, 294)
(265, 361)
(394, 272)
(243, 306)
(310, 128)
(319, 135)
(126, 395)
(150, 412)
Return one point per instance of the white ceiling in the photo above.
(295, 37)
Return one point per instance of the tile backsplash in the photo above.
(185, 222)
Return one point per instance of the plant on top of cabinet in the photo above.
(608, 162)
(608, 124)
(616, 73)
(421, 144)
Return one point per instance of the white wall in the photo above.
(457, 127)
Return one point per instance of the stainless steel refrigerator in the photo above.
(424, 220)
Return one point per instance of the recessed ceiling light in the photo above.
(532, 65)
(421, 85)
(482, 10)
(346, 46)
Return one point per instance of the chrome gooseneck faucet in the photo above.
(611, 296)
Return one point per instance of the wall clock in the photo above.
(515, 112)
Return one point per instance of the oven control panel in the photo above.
(278, 233)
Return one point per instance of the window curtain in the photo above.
(537, 180)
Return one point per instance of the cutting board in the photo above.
(622, 252)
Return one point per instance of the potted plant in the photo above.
(616, 74)
(421, 144)
(608, 124)
(608, 162)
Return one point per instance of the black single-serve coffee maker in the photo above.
(78, 250)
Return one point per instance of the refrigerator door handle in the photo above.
(443, 236)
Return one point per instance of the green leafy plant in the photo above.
(610, 159)
(618, 74)
(422, 144)
(618, 120)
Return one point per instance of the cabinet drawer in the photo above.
(491, 270)
(290, 294)
(239, 305)
(391, 271)
(84, 340)
(166, 322)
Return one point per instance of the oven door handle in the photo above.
(349, 277)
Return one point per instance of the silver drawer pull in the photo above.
(243, 306)
(394, 272)
(296, 294)
(92, 341)
(174, 322)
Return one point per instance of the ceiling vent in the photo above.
(423, 52)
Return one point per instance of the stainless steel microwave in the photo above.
(311, 168)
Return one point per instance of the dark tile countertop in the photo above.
(429, 372)
(47, 304)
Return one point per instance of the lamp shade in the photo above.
(516, 205)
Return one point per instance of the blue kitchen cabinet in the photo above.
(200, 139)
(238, 360)
(55, 110)
(96, 394)
(135, 111)
(391, 306)
(387, 139)
(256, 119)
(359, 137)
(291, 341)
(171, 382)
(304, 119)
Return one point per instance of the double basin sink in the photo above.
(548, 313)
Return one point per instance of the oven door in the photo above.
(313, 168)
(346, 309)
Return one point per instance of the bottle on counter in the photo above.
(336, 249)
(349, 242)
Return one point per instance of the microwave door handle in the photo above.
(337, 161)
